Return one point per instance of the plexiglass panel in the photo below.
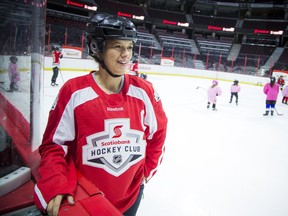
(22, 36)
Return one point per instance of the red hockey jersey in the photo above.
(115, 140)
(56, 57)
(134, 68)
(281, 82)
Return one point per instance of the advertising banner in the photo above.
(72, 52)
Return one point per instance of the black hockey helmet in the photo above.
(272, 79)
(104, 26)
(214, 82)
(13, 59)
(236, 82)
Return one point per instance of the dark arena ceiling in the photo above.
(277, 8)
(188, 4)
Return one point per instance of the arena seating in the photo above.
(281, 64)
(197, 43)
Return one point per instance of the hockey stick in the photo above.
(61, 75)
(280, 114)
(201, 88)
(6, 89)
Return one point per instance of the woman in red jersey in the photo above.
(110, 125)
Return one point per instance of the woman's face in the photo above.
(117, 55)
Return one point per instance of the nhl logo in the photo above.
(117, 159)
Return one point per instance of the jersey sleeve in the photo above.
(265, 89)
(57, 171)
(156, 136)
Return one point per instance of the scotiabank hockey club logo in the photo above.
(115, 149)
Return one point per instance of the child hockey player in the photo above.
(271, 90)
(134, 68)
(281, 82)
(235, 88)
(56, 63)
(14, 75)
(285, 95)
(212, 92)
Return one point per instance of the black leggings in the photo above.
(55, 74)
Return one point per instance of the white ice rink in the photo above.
(230, 162)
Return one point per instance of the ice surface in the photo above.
(230, 162)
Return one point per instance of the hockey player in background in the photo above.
(134, 70)
(134, 67)
(213, 91)
(285, 95)
(281, 82)
(13, 73)
(235, 89)
(271, 90)
(57, 55)
(108, 124)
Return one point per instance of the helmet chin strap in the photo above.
(109, 71)
(101, 62)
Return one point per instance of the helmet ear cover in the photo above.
(94, 45)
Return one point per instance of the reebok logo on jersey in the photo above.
(116, 148)
(115, 109)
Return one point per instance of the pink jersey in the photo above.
(271, 92)
(115, 140)
(285, 91)
(235, 88)
(213, 92)
(14, 75)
